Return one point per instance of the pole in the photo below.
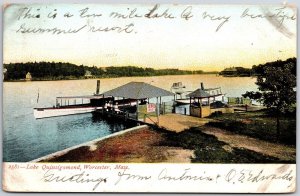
(137, 109)
(98, 87)
(157, 112)
(157, 107)
(190, 105)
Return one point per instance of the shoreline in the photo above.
(89, 143)
(99, 78)
(200, 144)
(140, 144)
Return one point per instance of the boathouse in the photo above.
(142, 94)
(203, 102)
(231, 71)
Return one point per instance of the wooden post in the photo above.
(98, 87)
(190, 105)
(137, 109)
(157, 112)
(157, 107)
(160, 105)
(202, 86)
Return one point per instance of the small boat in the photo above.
(88, 104)
(178, 88)
(182, 101)
(210, 95)
(71, 105)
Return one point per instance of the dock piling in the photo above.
(98, 87)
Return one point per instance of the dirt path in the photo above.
(280, 151)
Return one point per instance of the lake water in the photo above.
(26, 138)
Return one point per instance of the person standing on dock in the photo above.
(109, 105)
(116, 108)
(105, 106)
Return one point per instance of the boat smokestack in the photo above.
(202, 86)
(98, 87)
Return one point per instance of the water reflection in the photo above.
(114, 124)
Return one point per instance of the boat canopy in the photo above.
(199, 93)
(82, 97)
(138, 91)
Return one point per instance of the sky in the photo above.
(195, 43)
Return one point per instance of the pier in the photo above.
(178, 122)
(139, 107)
(162, 114)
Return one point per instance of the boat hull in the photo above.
(53, 112)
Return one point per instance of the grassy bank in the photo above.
(261, 125)
(208, 149)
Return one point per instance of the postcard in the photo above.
(149, 98)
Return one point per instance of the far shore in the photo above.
(99, 78)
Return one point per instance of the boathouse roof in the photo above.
(199, 93)
(138, 90)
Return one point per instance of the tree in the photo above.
(276, 87)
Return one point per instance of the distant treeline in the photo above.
(259, 69)
(59, 71)
(256, 69)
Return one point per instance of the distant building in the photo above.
(231, 71)
(88, 74)
(104, 68)
(28, 76)
(236, 71)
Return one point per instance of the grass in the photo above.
(259, 125)
(208, 149)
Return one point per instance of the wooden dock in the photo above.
(177, 122)
(170, 121)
